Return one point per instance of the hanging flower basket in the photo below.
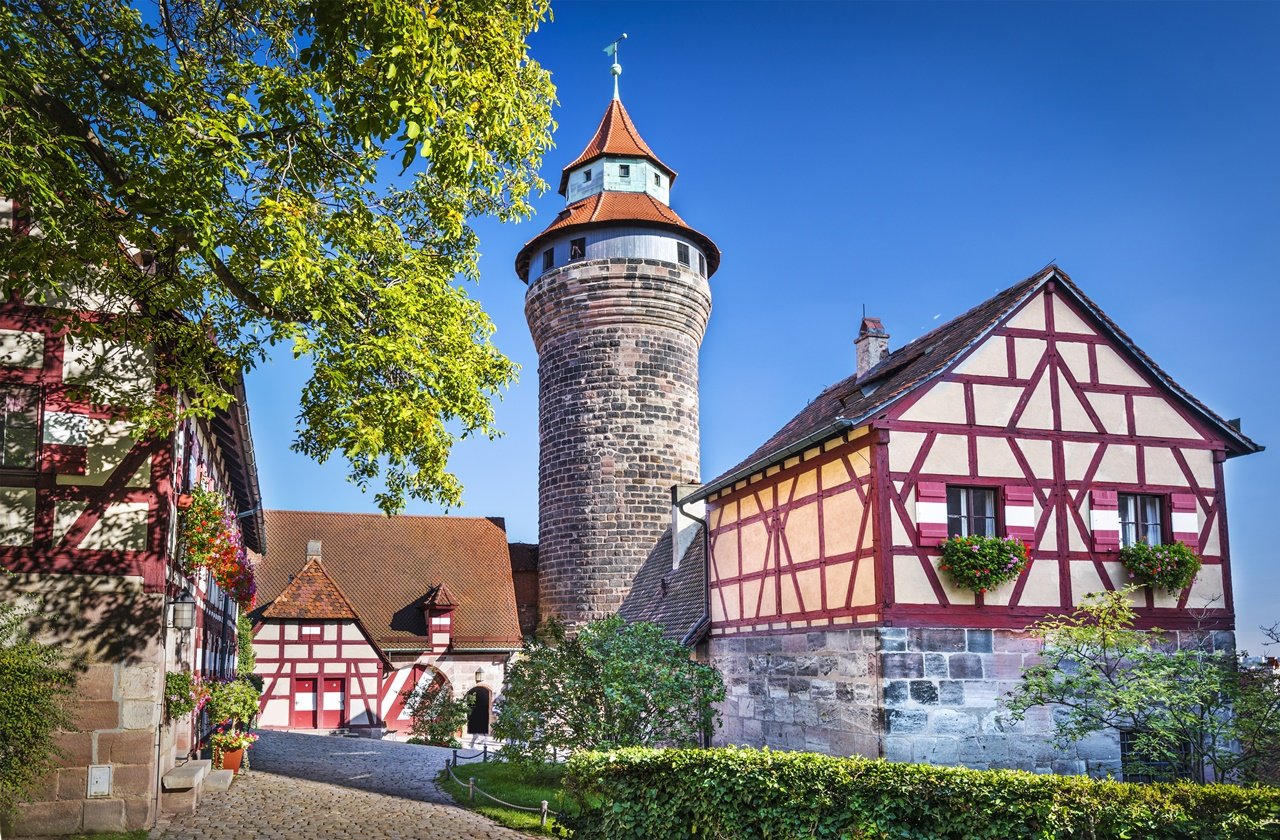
(983, 563)
(211, 540)
(1171, 566)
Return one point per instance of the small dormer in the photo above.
(437, 613)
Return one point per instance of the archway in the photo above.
(478, 718)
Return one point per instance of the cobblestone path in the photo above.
(316, 787)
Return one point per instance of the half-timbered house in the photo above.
(1032, 416)
(89, 532)
(355, 610)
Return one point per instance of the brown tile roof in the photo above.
(311, 594)
(389, 567)
(675, 600)
(853, 400)
(611, 206)
(617, 135)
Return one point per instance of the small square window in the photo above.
(702, 265)
(657, 180)
(577, 249)
(682, 253)
(624, 170)
(971, 512)
(1141, 519)
(548, 259)
(586, 174)
(20, 418)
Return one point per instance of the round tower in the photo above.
(617, 303)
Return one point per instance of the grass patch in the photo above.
(140, 834)
(513, 783)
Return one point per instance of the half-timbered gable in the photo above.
(355, 610)
(1031, 416)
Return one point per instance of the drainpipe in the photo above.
(703, 623)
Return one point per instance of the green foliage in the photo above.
(181, 694)
(614, 684)
(235, 701)
(1168, 566)
(246, 659)
(519, 784)
(983, 563)
(435, 716)
(248, 174)
(1098, 672)
(639, 794)
(36, 692)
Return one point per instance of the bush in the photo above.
(235, 701)
(436, 717)
(182, 693)
(983, 563)
(36, 689)
(1169, 566)
(748, 794)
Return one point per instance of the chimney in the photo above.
(683, 527)
(872, 345)
(313, 549)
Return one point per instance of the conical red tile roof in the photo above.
(617, 135)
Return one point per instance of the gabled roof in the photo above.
(609, 206)
(617, 135)
(853, 401)
(311, 594)
(387, 567)
(674, 599)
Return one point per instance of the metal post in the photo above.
(542, 821)
(471, 789)
(555, 759)
(455, 758)
(486, 753)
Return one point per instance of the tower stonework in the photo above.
(618, 303)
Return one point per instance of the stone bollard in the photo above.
(471, 789)
(455, 758)
(485, 757)
(542, 820)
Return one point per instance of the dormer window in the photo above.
(586, 175)
(577, 249)
(682, 253)
(624, 170)
(548, 259)
(657, 180)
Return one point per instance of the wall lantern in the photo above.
(184, 611)
(479, 675)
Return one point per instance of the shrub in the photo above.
(982, 563)
(235, 701)
(436, 717)
(36, 689)
(1169, 566)
(182, 694)
(755, 794)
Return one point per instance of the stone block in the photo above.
(817, 641)
(1224, 641)
(44, 818)
(924, 692)
(898, 749)
(137, 813)
(73, 782)
(1068, 767)
(853, 665)
(902, 665)
(140, 682)
(951, 693)
(893, 639)
(132, 779)
(953, 722)
(937, 751)
(76, 747)
(905, 721)
(895, 692)
(1014, 641)
(946, 639)
(979, 641)
(1005, 666)
(103, 815)
(97, 714)
(179, 801)
(965, 666)
(140, 714)
(935, 665)
(97, 682)
(133, 747)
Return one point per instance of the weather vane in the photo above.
(616, 69)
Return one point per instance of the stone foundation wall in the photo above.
(815, 691)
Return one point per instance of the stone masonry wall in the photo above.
(617, 344)
(815, 691)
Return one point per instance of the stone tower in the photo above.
(617, 303)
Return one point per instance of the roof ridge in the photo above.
(383, 516)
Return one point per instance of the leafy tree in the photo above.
(245, 173)
(1191, 710)
(38, 685)
(436, 717)
(614, 684)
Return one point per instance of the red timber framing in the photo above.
(327, 669)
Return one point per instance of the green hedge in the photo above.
(743, 794)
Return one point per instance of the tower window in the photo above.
(657, 180)
(682, 253)
(624, 170)
(548, 258)
(577, 249)
(586, 174)
(702, 265)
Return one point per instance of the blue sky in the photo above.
(915, 158)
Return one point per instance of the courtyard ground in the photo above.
(313, 787)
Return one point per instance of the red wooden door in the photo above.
(304, 704)
(333, 703)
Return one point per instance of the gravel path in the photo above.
(315, 787)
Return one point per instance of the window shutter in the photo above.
(931, 512)
(1186, 519)
(1020, 513)
(1104, 519)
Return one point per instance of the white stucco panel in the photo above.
(991, 358)
(949, 455)
(1027, 353)
(995, 458)
(17, 515)
(122, 527)
(1154, 417)
(21, 349)
(1031, 316)
(943, 403)
(1114, 370)
(1066, 320)
(993, 405)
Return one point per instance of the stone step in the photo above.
(186, 776)
(219, 780)
(179, 801)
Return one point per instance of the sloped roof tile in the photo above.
(311, 594)
(616, 135)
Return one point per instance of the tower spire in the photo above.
(616, 68)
